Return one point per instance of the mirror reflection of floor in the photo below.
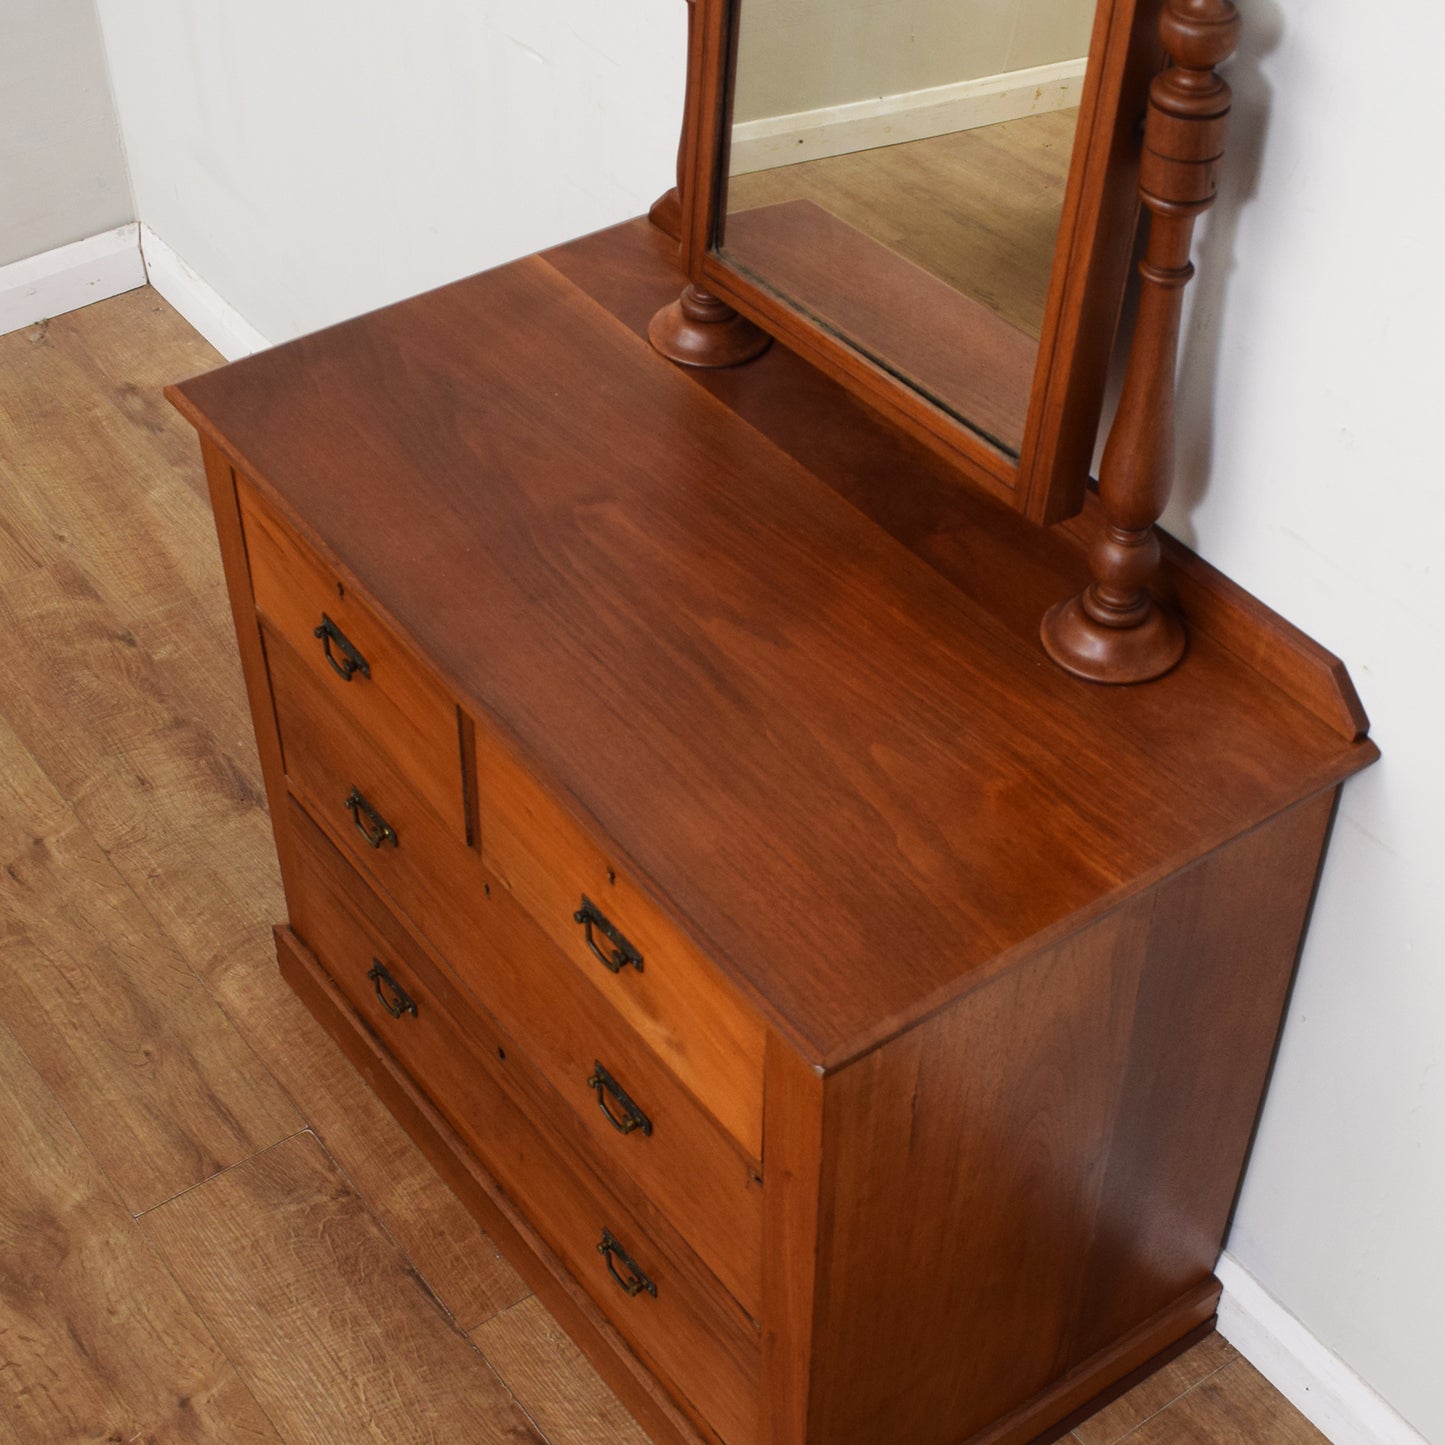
(979, 209)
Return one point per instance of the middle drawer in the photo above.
(643, 1124)
(679, 1320)
(628, 947)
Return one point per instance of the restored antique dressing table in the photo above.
(851, 1023)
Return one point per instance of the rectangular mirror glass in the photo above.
(896, 172)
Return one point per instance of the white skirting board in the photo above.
(102, 266)
(70, 277)
(215, 318)
(809, 135)
(1312, 1378)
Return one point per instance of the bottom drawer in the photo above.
(643, 1278)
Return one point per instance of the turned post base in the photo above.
(1099, 653)
(699, 330)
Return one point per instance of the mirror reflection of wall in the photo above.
(895, 161)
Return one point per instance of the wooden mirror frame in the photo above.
(1114, 631)
(1091, 262)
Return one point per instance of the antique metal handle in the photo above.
(369, 823)
(396, 1001)
(622, 953)
(636, 1281)
(631, 1117)
(351, 661)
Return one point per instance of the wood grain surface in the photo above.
(1004, 563)
(1000, 1298)
(100, 476)
(564, 1396)
(97, 1343)
(158, 760)
(876, 702)
(394, 699)
(130, 722)
(324, 1317)
(687, 1164)
(678, 1003)
(152, 1073)
(531, 1142)
(1157, 1393)
(446, 1148)
(1233, 1406)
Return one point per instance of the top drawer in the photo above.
(367, 671)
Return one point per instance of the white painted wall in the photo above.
(62, 173)
(313, 160)
(1312, 474)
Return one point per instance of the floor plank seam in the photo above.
(427, 1288)
(542, 1436)
(1165, 1408)
(220, 1173)
(199, 1315)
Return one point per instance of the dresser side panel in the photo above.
(1032, 1176)
(963, 1166)
(1223, 942)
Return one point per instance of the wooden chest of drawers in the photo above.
(852, 1028)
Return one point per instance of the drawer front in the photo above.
(368, 675)
(643, 1124)
(690, 1167)
(677, 1001)
(367, 805)
(688, 1332)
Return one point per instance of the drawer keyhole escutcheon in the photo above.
(621, 954)
(394, 999)
(369, 823)
(340, 652)
(635, 1282)
(629, 1117)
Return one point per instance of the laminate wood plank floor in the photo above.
(209, 1229)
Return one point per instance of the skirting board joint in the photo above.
(199, 302)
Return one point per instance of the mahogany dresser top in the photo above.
(784, 665)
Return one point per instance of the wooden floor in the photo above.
(209, 1231)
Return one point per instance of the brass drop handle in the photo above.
(635, 1281)
(621, 954)
(369, 823)
(630, 1119)
(395, 1000)
(350, 661)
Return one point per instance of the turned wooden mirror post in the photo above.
(1114, 631)
(697, 329)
